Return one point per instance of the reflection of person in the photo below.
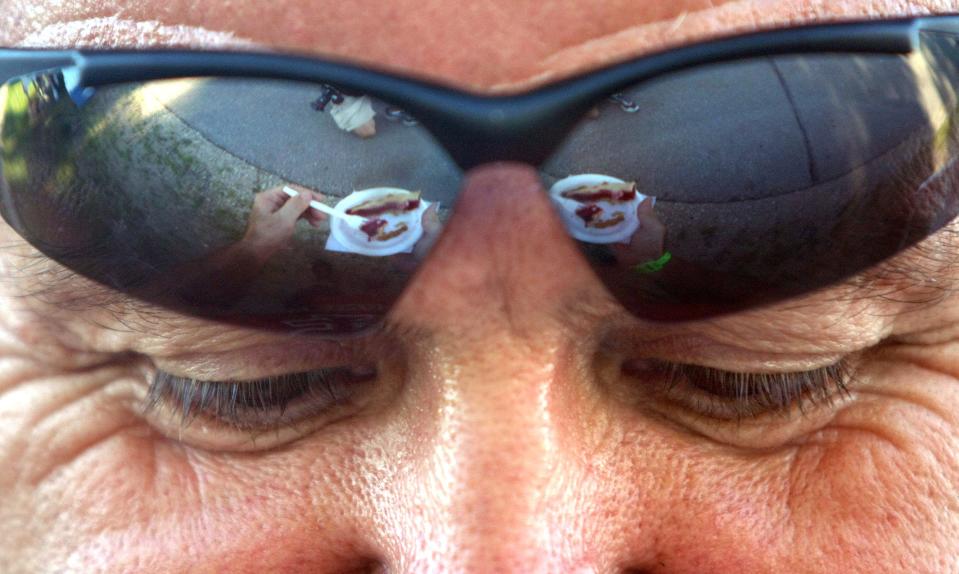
(398, 115)
(221, 277)
(353, 114)
(431, 232)
(624, 103)
(662, 274)
(501, 432)
(273, 217)
(647, 244)
(269, 229)
(432, 227)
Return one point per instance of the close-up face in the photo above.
(254, 324)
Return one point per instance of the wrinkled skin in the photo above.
(501, 434)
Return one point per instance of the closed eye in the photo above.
(733, 395)
(256, 405)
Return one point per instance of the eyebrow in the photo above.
(918, 278)
(922, 274)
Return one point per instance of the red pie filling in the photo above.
(588, 212)
(603, 194)
(393, 206)
(371, 227)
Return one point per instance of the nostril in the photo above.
(653, 566)
(370, 566)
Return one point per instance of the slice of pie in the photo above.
(606, 191)
(591, 216)
(375, 230)
(393, 203)
(375, 227)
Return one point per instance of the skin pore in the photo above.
(501, 433)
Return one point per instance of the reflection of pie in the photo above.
(393, 203)
(375, 230)
(608, 192)
(590, 215)
(375, 227)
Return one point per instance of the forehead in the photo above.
(496, 43)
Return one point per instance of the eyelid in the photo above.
(799, 334)
(271, 358)
(267, 354)
(704, 351)
(287, 405)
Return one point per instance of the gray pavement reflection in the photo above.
(773, 176)
(270, 124)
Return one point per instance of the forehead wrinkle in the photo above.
(488, 46)
(112, 32)
(724, 19)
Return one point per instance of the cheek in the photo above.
(874, 491)
(146, 504)
(88, 486)
(869, 502)
(882, 481)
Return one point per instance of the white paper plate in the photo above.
(620, 233)
(351, 239)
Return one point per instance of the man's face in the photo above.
(500, 434)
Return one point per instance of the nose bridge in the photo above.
(507, 442)
(495, 454)
(490, 295)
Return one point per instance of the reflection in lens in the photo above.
(773, 176)
(179, 192)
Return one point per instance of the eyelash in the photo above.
(264, 404)
(731, 395)
(255, 406)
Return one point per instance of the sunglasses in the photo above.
(698, 181)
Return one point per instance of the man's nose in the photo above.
(503, 256)
(499, 303)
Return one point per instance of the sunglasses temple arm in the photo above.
(16, 63)
(949, 25)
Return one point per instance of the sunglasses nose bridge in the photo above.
(504, 260)
(478, 131)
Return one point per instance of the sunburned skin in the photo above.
(501, 433)
(112, 30)
(494, 49)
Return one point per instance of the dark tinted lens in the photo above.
(774, 176)
(173, 191)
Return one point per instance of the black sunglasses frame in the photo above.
(475, 128)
